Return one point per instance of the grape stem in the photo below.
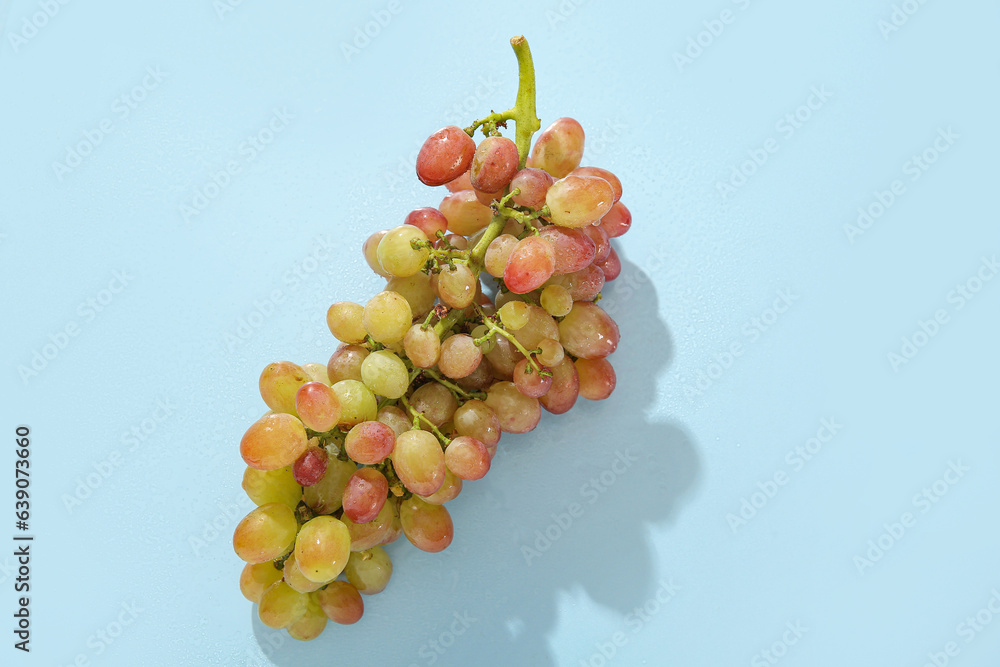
(495, 328)
(418, 416)
(455, 389)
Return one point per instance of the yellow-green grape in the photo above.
(344, 320)
(274, 441)
(278, 384)
(449, 490)
(281, 605)
(312, 623)
(514, 315)
(457, 286)
(422, 346)
(394, 417)
(293, 577)
(272, 486)
(317, 372)
(357, 402)
(539, 326)
(370, 250)
(369, 570)
(550, 352)
(387, 316)
(326, 495)
(417, 291)
(265, 534)
(256, 578)
(397, 256)
(341, 602)
(322, 548)
(419, 462)
(497, 254)
(385, 374)
(556, 300)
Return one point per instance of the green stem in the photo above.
(418, 416)
(524, 108)
(494, 328)
(455, 389)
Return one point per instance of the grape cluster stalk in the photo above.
(489, 315)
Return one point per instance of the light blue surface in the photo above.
(176, 351)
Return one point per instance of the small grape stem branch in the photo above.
(419, 416)
(494, 328)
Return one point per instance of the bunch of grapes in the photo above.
(489, 315)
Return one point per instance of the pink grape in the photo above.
(428, 527)
(588, 332)
(616, 185)
(573, 247)
(467, 457)
(273, 441)
(435, 402)
(517, 413)
(463, 182)
(486, 198)
(583, 285)
(371, 534)
(477, 420)
(465, 213)
(479, 379)
(497, 254)
(578, 201)
(597, 378)
(345, 363)
(530, 264)
(612, 266)
(616, 221)
(602, 244)
(565, 388)
(559, 148)
(422, 346)
(311, 466)
(369, 442)
(503, 357)
(429, 220)
(318, 406)
(449, 490)
(494, 164)
(459, 356)
(445, 156)
(533, 184)
(532, 383)
(365, 495)
(341, 602)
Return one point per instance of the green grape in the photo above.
(341, 602)
(272, 486)
(497, 254)
(278, 384)
(322, 548)
(317, 372)
(419, 462)
(385, 374)
(256, 578)
(397, 256)
(265, 533)
(369, 570)
(417, 290)
(357, 402)
(514, 314)
(326, 495)
(388, 315)
(344, 320)
(556, 300)
(457, 286)
(311, 624)
(273, 441)
(428, 527)
(281, 605)
(422, 346)
(489, 342)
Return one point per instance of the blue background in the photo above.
(710, 406)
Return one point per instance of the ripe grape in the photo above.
(445, 156)
(369, 442)
(429, 220)
(311, 466)
(450, 488)
(497, 254)
(434, 402)
(317, 372)
(344, 320)
(341, 602)
(279, 382)
(588, 332)
(602, 245)
(387, 316)
(459, 356)
(417, 290)
(597, 378)
(369, 571)
(281, 605)
(494, 164)
(616, 185)
(574, 249)
(272, 486)
(556, 300)
(365, 494)
(612, 266)
(394, 418)
(539, 326)
(559, 148)
(465, 213)
(561, 396)
(322, 548)
(367, 535)
(457, 286)
(550, 352)
(311, 624)
(616, 221)
(256, 578)
(265, 533)
(326, 495)
(530, 264)
(318, 406)
(370, 251)
(517, 413)
(397, 255)
(357, 402)
(477, 420)
(529, 381)
(463, 182)
(273, 441)
(467, 458)
(345, 363)
(422, 346)
(428, 527)
(578, 201)
(293, 577)
(533, 184)
(419, 462)
(514, 315)
(385, 374)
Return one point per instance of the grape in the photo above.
(419, 462)
(345, 363)
(365, 494)
(481, 378)
(367, 535)
(417, 291)
(573, 247)
(429, 220)
(616, 185)
(369, 570)
(530, 264)
(357, 402)
(385, 374)
(317, 372)
(578, 201)
(457, 286)
(487, 198)
(341, 602)
(556, 300)
(467, 458)
(396, 253)
(272, 486)
(395, 527)
(311, 624)
(529, 381)
(616, 221)
(459, 356)
(422, 346)
(602, 245)
(565, 387)
(369, 442)
(517, 413)
(597, 378)
(318, 406)
(514, 315)
(550, 352)
(387, 317)
(326, 495)
(394, 418)
(494, 164)
(497, 254)
(465, 213)
(344, 320)
(449, 490)
(539, 326)
(463, 182)
(311, 466)
(279, 382)
(256, 578)
(265, 533)
(477, 420)
(273, 441)
(583, 285)
(322, 548)
(435, 402)
(612, 266)
(428, 527)
(533, 184)
(445, 156)
(370, 251)
(588, 332)
(293, 577)
(457, 241)
(281, 605)
(559, 148)
(503, 357)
